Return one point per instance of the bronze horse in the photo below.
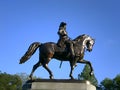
(50, 50)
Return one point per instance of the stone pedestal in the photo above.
(58, 84)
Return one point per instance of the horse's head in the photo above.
(89, 44)
(86, 41)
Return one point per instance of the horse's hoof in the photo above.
(30, 78)
(91, 73)
(51, 77)
(71, 77)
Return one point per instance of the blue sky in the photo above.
(25, 21)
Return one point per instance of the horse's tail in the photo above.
(31, 50)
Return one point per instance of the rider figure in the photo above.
(64, 39)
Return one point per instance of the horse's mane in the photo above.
(80, 37)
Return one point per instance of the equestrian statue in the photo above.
(65, 49)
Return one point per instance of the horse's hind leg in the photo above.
(34, 68)
(45, 65)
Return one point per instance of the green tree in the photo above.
(10, 82)
(116, 81)
(111, 84)
(107, 83)
(86, 76)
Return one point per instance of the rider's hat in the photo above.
(62, 24)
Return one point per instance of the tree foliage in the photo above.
(10, 82)
(85, 75)
(13, 82)
(107, 83)
(116, 81)
(111, 84)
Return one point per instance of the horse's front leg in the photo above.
(87, 62)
